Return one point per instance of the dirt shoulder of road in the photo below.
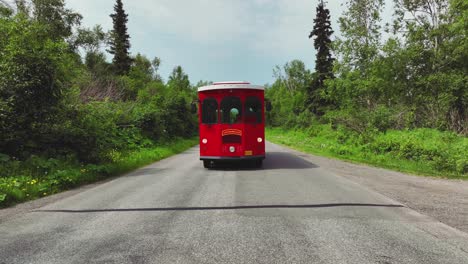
(443, 199)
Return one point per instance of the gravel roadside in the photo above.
(443, 199)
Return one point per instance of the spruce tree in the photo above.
(120, 40)
(321, 33)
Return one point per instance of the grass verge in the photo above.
(39, 177)
(420, 151)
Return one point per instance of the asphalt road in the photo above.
(175, 211)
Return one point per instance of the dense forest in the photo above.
(67, 115)
(394, 89)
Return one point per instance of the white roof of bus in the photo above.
(230, 85)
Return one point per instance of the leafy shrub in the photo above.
(22, 185)
(443, 150)
(34, 73)
(305, 119)
(381, 118)
(419, 150)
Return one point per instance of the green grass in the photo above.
(420, 151)
(38, 177)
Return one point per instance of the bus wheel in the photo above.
(207, 164)
(258, 163)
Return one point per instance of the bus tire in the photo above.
(258, 163)
(207, 164)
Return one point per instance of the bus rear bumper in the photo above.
(258, 157)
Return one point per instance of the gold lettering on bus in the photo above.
(227, 132)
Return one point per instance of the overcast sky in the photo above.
(216, 40)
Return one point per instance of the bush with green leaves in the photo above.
(444, 151)
(34, 73)
(22, 181)
(424, 151)
(65, 121)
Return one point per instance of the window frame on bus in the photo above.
(257, 103)
(239, 118)
(205, 111)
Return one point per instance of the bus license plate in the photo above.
(248, 153)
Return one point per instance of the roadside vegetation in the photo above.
(392, 95)
(68, 116)
(420, 151)
(38, 177)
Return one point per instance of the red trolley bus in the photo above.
(231, 122)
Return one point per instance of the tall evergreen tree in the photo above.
(120, 40)
(321, 33)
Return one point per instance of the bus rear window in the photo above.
(253, 110)
(231, 110)
(210, 111)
